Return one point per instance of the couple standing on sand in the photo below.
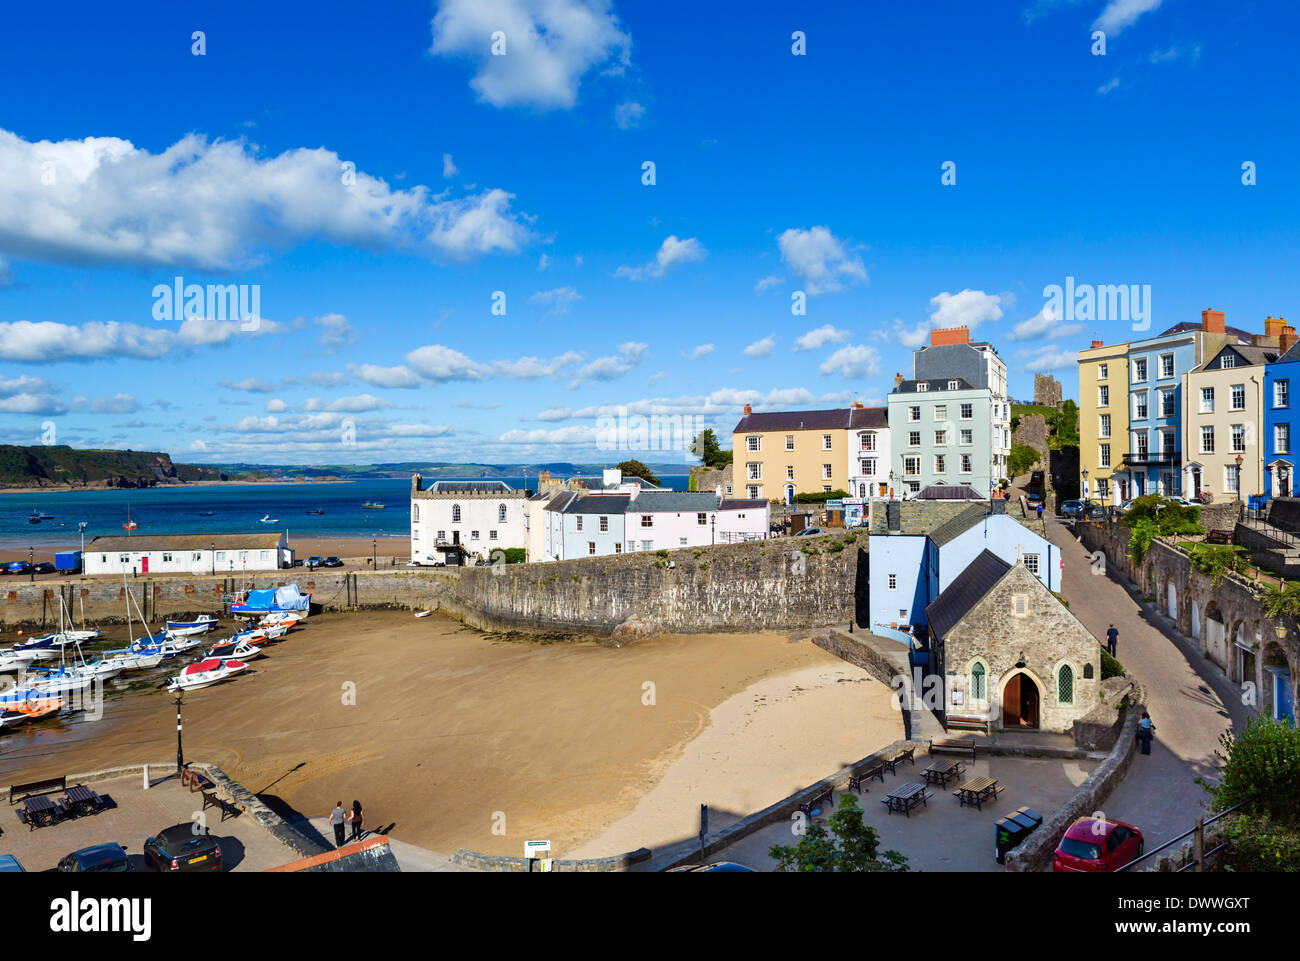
(338, 816)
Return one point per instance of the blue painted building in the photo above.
(1281, 378)
(1154, 460)
(916, 555)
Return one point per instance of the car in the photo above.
(1095, 512)
(178, 848)
(107, 858)
(717, 867)
(18, 567)
(45, 567)
(315, 561)
(1097, 845)
(810, 532)
(1072, 508)
(297, 562)
(332, 561)
(11, 865)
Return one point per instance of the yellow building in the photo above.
(1103, 420)
(778, 454)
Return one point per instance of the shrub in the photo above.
(1022, 458)
(1282, 600)
(1261, 844)
(1262, 762)
(515, 555)
(1109, 666)
(819, 497)
(851, 845)
(1216, 562)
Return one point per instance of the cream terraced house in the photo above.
(779, 454)
(1223, 414)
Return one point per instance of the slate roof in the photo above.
(184, 542)
(867, 417)
(967, 590)
(561, 501)
(739, 504)
(599, 504)
(654, 502)
(948, 492)
(1188, 326)
(960, 524)
(932, 384)
(1292, 354)
(469, 487)
(1250, 353)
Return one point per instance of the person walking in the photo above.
(1040, 510)
(357, 820)
(1112, 640)
(1146, 731)
(337, 817)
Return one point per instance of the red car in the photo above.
(1093, 844)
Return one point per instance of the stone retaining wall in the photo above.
(503, 863)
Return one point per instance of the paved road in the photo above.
(1190, 700)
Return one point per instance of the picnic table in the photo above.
(976, 791)
(905, 797)
(39, 811)
(80, 799)
(941, 772)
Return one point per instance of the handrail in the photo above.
(1185, 834)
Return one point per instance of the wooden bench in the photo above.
(859, 778)
(953, 745)
(899, 758)
(1219, 537)
(826, 795)
(968, 722)
(211, 800)
(48, 786)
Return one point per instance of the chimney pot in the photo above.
(1285, 339)
(950, 335)
(748, 410)
(1098, 343)
(1212, 321)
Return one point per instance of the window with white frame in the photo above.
(913, 414)
(966, 463)
(591, 547)
(578, 522)
(1207, 440)
(967, 437)
(789, 441)
(826, 472)
(1282, 393)
(1103, 371)
(952, 385)
(789, 472)
(867, 441)
(940, 411)
(1140, 405)
(754, 491)
(604, 525)
(893, 582)
(1139, 369)
(1103, 395)
(1166, 366)
(911, 466)
(1232, 479)
(1227, 360)
(1282, 438)
(492, 535)
(922, 387)
(1167, 408)
(1140, 443)
(1238, 438)
(1103, 456)
(755, 469)
(1238, 396)
(647, 520)
(1031, 562)
(754, 442)
(940, 438)
(1103, 425)
(869, 466)
(967, 411)
(1168, 444)
(702, 518)
(1207, 400)
(826, 441)
(914, 438)
(826, 488)
(938, 464)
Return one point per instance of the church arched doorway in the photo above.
(1020, 700)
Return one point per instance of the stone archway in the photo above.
(1021, 701)
(1239, 670)
(1216, 637)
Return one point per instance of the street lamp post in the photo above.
(1087, 494)
(212, 549)
(373, 565)
(1238, 478)
(81, 526)
(180, 753)
(31, 569)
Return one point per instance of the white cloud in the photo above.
(338, 332)
(968, 308)
(698, 351)
(1047, 358)
(276, 406)
(254, 385)
(1037, 326)
(549, 46)
(761, 348)
(25, 402)
(527, 368)
(853, 361)
(557, 301)
(117, 404)
(449, 169)
(820, 337)
(559, 435)
(48, 341)
(821, 259)
(543, 262)
(771, 280)
(220, 206)
(326, 379)
(23, 383)
(1119, 14)
(438, 363)
(671, 253)
(1108, 86)
(393, 377)
(555, 413)
(419, 430)
(358, 403)
(615, 365)
(628, 114)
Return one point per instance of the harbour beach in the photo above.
(448, 732)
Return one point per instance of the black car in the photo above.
(332, 561)
(179, 849)
(44, 567)
(108, 858)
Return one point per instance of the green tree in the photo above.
(1261, 762)
(1022, 458)
(706, 447)
(850, 845)
(1065, 432)
(634, 468)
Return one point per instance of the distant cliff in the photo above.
(62, 466)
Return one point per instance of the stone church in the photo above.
(1010, 651)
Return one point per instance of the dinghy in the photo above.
(204, 673)
(200, 625)
(233, 648)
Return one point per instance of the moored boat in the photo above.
(11, 660)
(240, 649)
(200, 625)
(204, 673)
(287, 618)
(271, 601)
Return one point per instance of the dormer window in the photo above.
(952, 385)
(922, 386)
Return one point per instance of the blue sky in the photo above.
(126, 160)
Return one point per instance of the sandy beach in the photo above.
(466, 740)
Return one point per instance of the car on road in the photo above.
(178, 848)
(810, 532)
(332, 561)
(1097, 845)
(297, 562)
(315, 561)
(106, 858)
(45, 567)
(717, 867)
(11, 865)
(1073, 509)
(18, 567)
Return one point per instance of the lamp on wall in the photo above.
(1280, 631)
(1087, 494)
(1238, 477)
(1021, 662)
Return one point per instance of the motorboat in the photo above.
(130, 525)
(287, 618)
(268, 519)
(200, 625)
(43, 649)
(26, 705)
(260, 635)
(272, 600)
(135, 659)
(373, 506)
(34, 518)
(316, 512)
(11, 660)
(46, 517)
(234, 648)
(57, 680)
(204, 673)
(206, 513)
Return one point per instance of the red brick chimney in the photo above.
(1098, 343)
(1212, 321)
(1285, 339)
(898, 381)
(748, 410)
(1273, 326)
(857, 405)
(950, 335)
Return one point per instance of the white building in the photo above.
(869, 452)
(187, 553)
(451, 520)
